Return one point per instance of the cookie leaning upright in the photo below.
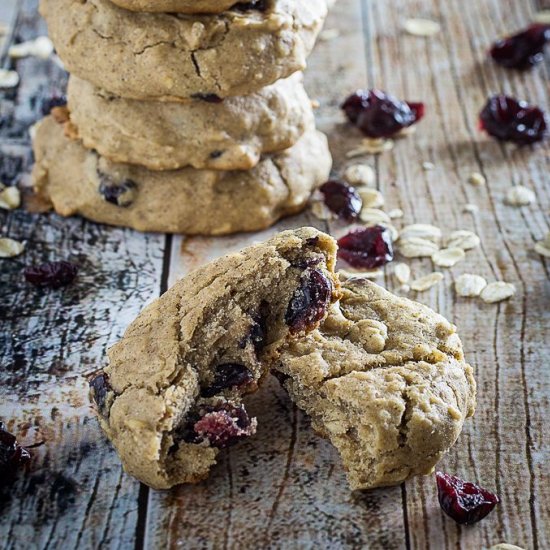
(385, 380)
(172, 395)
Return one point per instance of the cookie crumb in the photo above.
(471, 208)
(428, 166)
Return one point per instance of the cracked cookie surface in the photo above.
(177, 57)
(177, 6)
(172, 395)
(230, 135)
(385, 380)
(211, 202)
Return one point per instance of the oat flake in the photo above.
(10, 198)
(321, 211)
(402, 273)
(9, 248)
(371, 146)
(360, 174)
(497, 292)
(542, 249)
(422, 27)
(469, 286)
(471, 208)
(372, 198)
(396, 213)
(520, 196)
(8, 79)
(463, 239)
(416, 247)
(543, 17)
(374, 215)
(422, 231)
(369, 274)
(427, 282)
(428, 166)
(448, 257)
(41, 47)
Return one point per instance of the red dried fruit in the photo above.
(12, 455)
(51, 274)
(508, 119)
(310, 302)
(342, 199)
(258, 5)
(118, 193)
(380, 115)
(225, 425)
(369, 247)
(462, 501)
(230, 375)
(99, 389)
(209, 98)
(522, 50)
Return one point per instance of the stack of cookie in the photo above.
(184, 116)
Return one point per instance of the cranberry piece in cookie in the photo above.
(310, 301)
(464, 502)
(12, 455)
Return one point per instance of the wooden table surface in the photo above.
(285, 488)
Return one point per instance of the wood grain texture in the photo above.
(285, 488)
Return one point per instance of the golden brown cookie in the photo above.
(172, 395)
(209, 202)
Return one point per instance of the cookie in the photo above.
(172, 395)
(384, 379)
(209, 202)
(231, 135)
(180, 6)
(175, 57)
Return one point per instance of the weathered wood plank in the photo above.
(450, 72)
(74, 494)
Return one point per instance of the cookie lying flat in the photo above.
(78, 181)
(178, 6)
(384, 378)
(230, 135)
(174, 57)
(171, 396)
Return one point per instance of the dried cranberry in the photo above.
(508, 119)
(230, 375)
(225, 425)
(99, 389)
(342, 199)
(380, 115)
(12, 455)
(209, 98)
(464, 502)
(260, 5)
(309, 303)
(369, 247)
(119, 193)
(522, 50)
(51, 274)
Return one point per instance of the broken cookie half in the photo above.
(385, 380)
(172, 395)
